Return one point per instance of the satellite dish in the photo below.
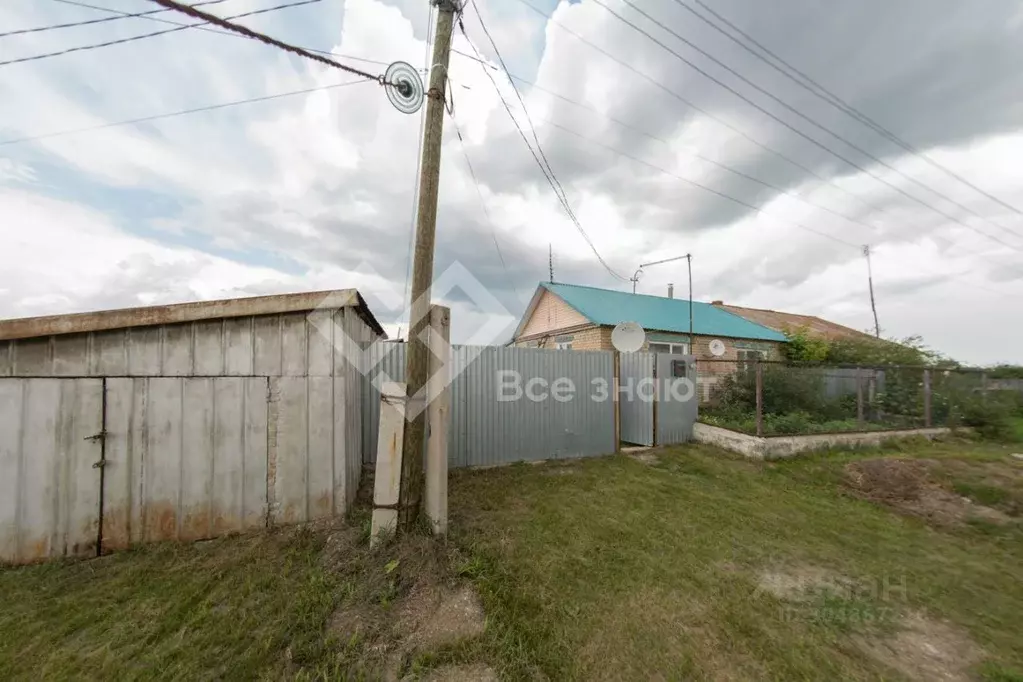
(717, 348)
(628, 337)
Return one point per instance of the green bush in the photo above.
(992, 418)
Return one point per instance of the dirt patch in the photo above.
(925, 649)
(647, 458)
(804, 583)
(461, 673)
(442, 616)
(905, 486)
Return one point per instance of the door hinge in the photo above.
(97, 436)
(100, 464)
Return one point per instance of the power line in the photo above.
(406, 292)
(789, 126)
(183, 112)
(483, 203)
(518, 95)
(197, 27)
(830, 97)
(701, 186)
(562, 199)
(697, 155)
(255, 35)
(124, 15)
(120, 41)
(656, 83)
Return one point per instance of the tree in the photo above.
(803, 346)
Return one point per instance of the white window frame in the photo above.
(669, 347)
(563, 342)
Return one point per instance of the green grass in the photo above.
(796, 423)
(622, 570)
(607, 568)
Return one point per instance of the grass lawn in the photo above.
(689, 565)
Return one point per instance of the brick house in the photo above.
(574, 317)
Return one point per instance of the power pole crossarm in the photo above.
(417, 367)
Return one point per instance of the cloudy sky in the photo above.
(315, 190)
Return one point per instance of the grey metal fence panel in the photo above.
(636, 414)
(486, 430)
(676, 402)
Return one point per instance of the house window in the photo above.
(670, 348)
(748, 358)
(563, 342)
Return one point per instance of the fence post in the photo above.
(859, 396)
(615, 380)
(927, 398)
(760, 399)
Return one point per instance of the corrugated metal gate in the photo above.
(489, 425)
(636, 371)
(658, 398)
(677, 398)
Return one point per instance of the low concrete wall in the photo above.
(786, 446)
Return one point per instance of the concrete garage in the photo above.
(183, 421)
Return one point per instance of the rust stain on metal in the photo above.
(323, 506)
(116, 529)
(195, 525)
(29, 327)
(161, 521)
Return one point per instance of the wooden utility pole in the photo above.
(870, 280)
(418, 355)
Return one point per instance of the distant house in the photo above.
(782, 322)
(573, 317)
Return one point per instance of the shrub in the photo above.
(992, 419)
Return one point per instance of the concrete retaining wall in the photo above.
(786, 446)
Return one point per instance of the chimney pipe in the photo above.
(671, 291)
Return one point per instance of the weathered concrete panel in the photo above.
(32, 357)
(145, 351)
(266, 333)
(321, 349)
(290, 485)
(255, 414)
(209, 348)
(161, 459)
(109, 355)
(70, 355)
(121, 482)
(176, 350)
(238, 347)
(294, 350)
(320, 457)
(342, 464)
(11, 416)
(195, 506)
(50, 504)
(6, 358)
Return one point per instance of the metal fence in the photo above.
(773, 399)
(512, 404)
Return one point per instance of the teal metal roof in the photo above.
(606, 306)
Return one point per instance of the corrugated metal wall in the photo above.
(636, 414)
(487, 431)
(210, 427)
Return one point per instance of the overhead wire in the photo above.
(483, 204)
(148, 16)
(263, 38)
(406, 292)
(827, 95)
(120, 41)
(788, 125)
(182, 112)
(563, 200)
(746, 136)
(89, 22)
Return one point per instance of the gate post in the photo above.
(438, 414)
(616, 374)
(760, 399)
